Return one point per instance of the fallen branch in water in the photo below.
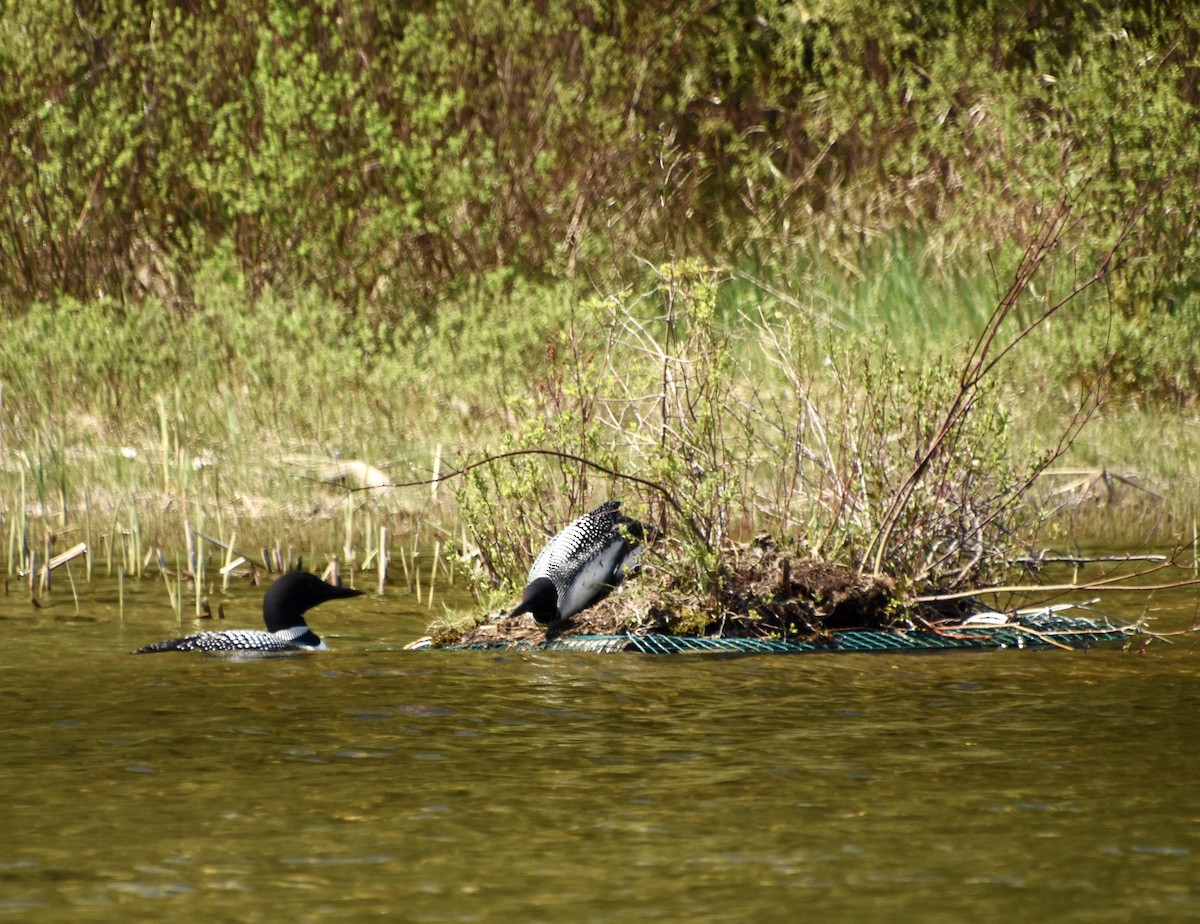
(1108, 582)
(1104, 585)
(1084, 559)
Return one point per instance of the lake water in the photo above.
(474, 786)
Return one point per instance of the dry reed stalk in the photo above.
(178, 591)
(23, 516)
(135, 542)
(230, 561)
(121, 593)
(87, 532)
(404, 564)
(74, 592)
(165, 441)
(231, 565)
(63, 558)
(198, 575)
(433, 566)
(231, 550)
(46, 569)
(368, 541)
(216, 480)
(189, 542)
(170, 588)
(383, 559)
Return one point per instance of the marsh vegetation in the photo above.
(872, 283)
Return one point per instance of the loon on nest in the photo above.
(582, 564)
(284, 606)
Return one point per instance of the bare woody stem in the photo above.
(989, 351)
(655, 486)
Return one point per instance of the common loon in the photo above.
(284, 606)
(582, 564)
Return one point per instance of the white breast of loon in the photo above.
(597, 576)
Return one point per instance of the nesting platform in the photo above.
(1043, 627)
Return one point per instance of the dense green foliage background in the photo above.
(384, 153)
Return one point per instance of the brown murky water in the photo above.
(427, 786)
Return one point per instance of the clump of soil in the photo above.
(765, 592)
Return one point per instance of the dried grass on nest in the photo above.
(765, 593)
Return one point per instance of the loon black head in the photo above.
(540, 601)
(294, 594)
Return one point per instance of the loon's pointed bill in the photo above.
(582, 564)
(286, 601)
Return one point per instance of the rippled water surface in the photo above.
(440, 786)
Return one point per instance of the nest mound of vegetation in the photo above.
(763, 592)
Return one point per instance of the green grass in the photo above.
(233, 416)
(910, 300)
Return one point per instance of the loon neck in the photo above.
(300, 635)
(540, 601)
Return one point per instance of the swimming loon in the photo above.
(284, 606)
(582, 564)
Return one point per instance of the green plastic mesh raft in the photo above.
(1041, 627)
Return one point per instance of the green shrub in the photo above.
(384, 157)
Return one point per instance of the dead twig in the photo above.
(988, 352)
(655, 486)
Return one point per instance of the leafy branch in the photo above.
(988, 351)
